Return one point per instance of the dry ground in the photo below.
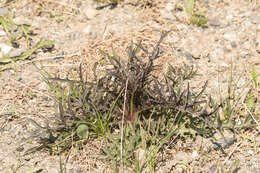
(79, 30)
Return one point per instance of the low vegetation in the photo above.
(16, 34)
(136, 113)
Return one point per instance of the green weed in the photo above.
(196, 17)
(15, 33)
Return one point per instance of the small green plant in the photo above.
(18, 165)
(5, 60)
(196, 17)
(15, 33)
(254, 78)
(252, 100)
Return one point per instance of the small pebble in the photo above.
(255, 19)
(224, 143)
(43, 86)
(214, 22)
(3, 11)
(243, 54)
(250, 152)
(183, 156)
(247, 45)
(217, 53)
(2, 33)
(49, 47)
(32, 100)
(59, 56)
(18, 78)
(229, 36)
(213, 168)
(20, 148)
(223, 64)
(16, 53)
(169, 7)
(167, 14)
(188, 56)
(5, 48)
(90, 12)
(87, 29)
(233, 44)
(27, 159)
(195, 154)
(229, 17)
(258, 27)
(32, 56)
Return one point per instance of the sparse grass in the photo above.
(238, 114)
(15, 33)
(234, 114)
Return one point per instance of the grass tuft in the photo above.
(156, 111)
